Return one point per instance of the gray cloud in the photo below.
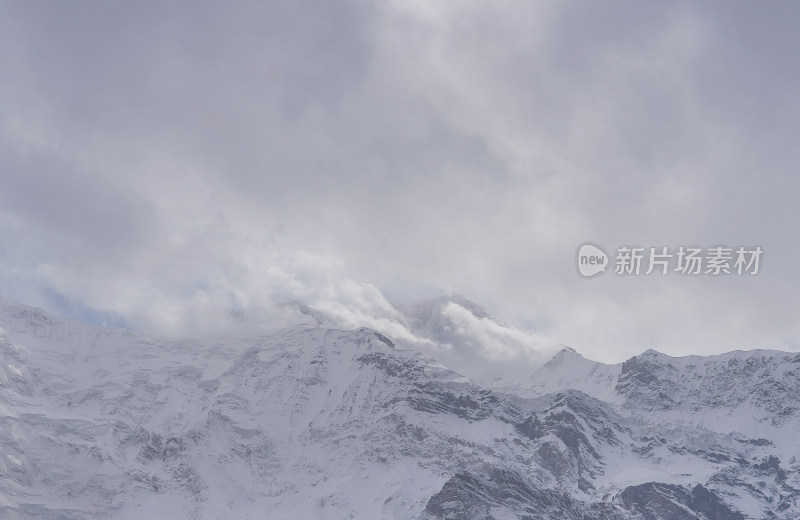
(176, 163)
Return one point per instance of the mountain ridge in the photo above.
(310, 422)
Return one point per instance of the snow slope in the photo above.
(317, 422)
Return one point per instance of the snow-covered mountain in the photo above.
(453, 329)
(316, 422)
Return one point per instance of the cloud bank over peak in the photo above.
(177, 167)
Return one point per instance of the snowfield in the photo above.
(322, 423)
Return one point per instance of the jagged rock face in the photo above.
(326, 423)
(767, 381)
(653, 501)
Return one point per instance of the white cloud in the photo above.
(185, 169)
(498, 341)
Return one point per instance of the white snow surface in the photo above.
(308, 423)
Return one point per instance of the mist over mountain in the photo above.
(451, 328)
(314, 421)
(412, 260)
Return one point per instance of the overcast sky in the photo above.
(167, 165)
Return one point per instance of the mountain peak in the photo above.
(566, 354)
(127, 423)
(432, 307)
(568, 351)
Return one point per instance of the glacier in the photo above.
(318, 422)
